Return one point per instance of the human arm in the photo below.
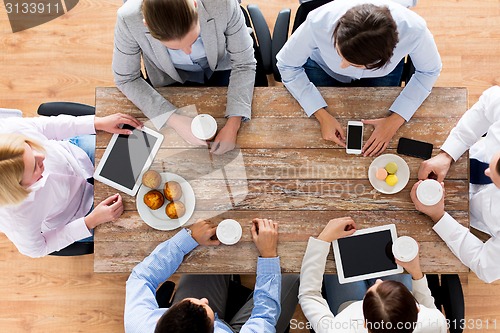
(141, 308)
(226, 138)
(267, 292)
(126, 67)
(481, 258)
(437, 167)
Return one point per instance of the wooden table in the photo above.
(286, 172)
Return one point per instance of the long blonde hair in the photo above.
(12, 167)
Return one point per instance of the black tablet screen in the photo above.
(366, 253)
(127, 157)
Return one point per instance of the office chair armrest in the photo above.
(68, 108)
(280, 36)
(75, 249)
(263, 36)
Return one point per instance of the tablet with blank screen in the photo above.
(366, 254)
(127, 157)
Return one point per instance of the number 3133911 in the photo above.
(33, 7)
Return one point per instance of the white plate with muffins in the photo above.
(165, 201)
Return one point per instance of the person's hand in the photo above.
(435, 212)
(108, 210)
(331, 129)
(265, 237)
(412, 267)
(384, 130)
(202, 232)
(436, 167)
(338, 228)
(182, 125)
(226, 138)
(111, 123)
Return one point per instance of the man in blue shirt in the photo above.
(192, 311)
(360, 43)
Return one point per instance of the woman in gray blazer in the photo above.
(191, 42)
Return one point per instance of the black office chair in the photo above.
(270, 47)
(306, 7)
(449, 298)
(72, 109)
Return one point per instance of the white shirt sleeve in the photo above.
(474, 123)
(481, 257)
(61, 127)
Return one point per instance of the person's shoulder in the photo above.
(130, 9)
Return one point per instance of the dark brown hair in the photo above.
(390, 308)
(185, 317)
(366, 35)
(169, 19)
(497, 168)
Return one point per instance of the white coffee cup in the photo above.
(429, 192)
(204, 127)
(229, 232)
(405, 248)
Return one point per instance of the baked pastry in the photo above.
(154, 199)
(172, 191)
(151, 179)
(175, 210)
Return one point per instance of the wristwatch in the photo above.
(189, 231)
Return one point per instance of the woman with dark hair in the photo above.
(360, 43)
(386, 306)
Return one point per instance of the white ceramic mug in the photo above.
(429, 192)
(204, 127)
(229, 232)
(405, 248)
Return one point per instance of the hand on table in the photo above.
(338, 228)
(436, 167)
(111, 123)
(226, 138)
(331, 129)
(384, 130)
(435, 212)
(108, 210)
(182, 125)
(265, 237)
(202, 232)
(412, 267)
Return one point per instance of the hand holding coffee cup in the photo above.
(204, 127)
(406, 253)
(432, 197)
(202, 232)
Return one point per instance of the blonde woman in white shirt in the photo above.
(388, 306)
(45, 195)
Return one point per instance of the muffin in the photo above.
(151, 179)
(175, 210)
(154, 199)
(172, 191)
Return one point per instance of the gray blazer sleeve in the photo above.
(239, 45)
(128, 79)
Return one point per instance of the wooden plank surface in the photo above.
(298, 179)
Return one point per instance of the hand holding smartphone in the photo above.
(354, 137)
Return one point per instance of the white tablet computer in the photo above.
(127, 157)
(366, 254)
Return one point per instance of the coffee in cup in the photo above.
(204, 127)
(429, 192)
(229, 232)
(405, 248)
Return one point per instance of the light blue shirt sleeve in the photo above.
(266, 297)
(141, 309)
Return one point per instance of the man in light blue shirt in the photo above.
(360, 43)
(192, 311)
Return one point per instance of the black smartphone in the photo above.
(415, 148)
